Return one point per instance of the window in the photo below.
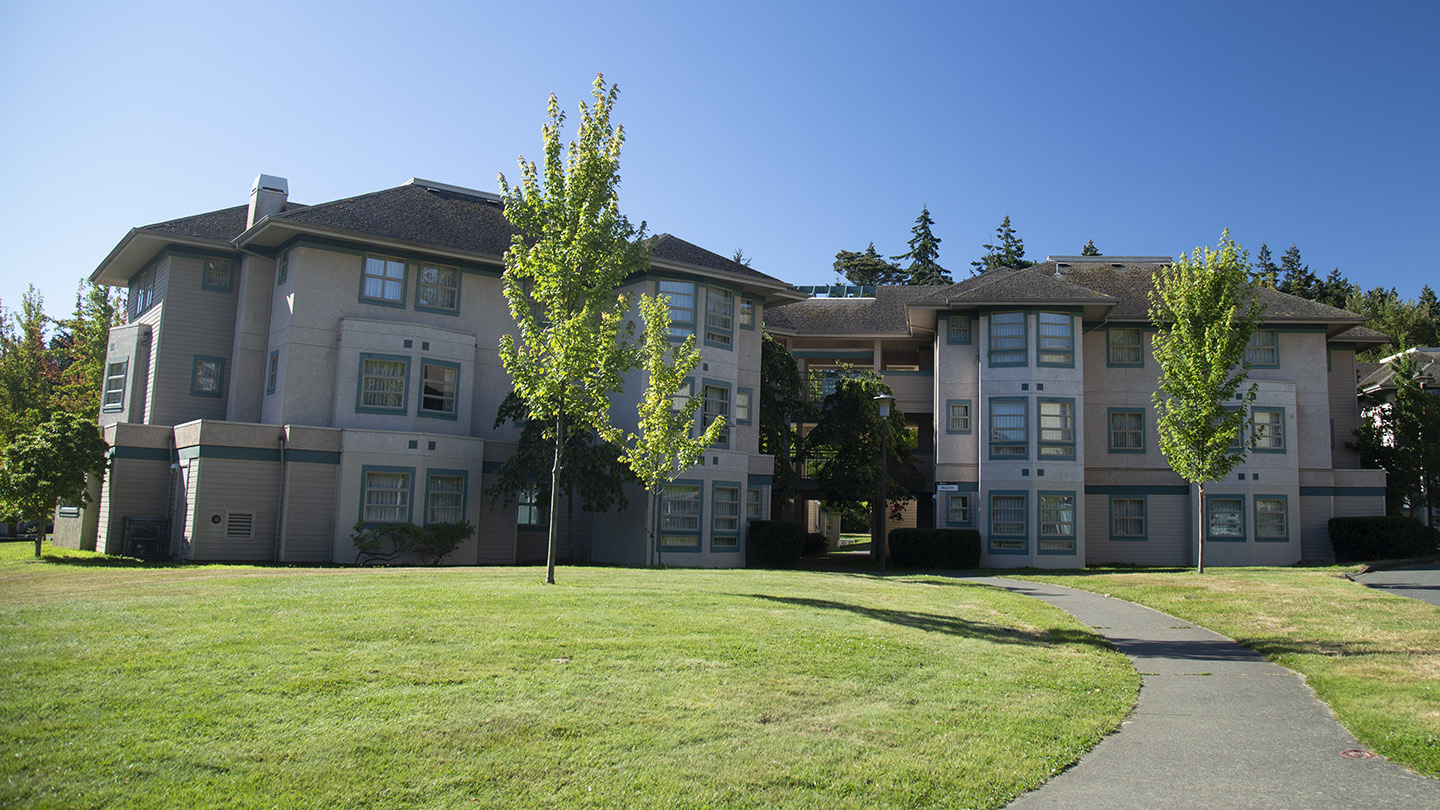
(207, 376)
(445, 497)
(1007, 522)
(682, 306)
(528, 506)
(725, 520)
(216, 275)
(438, 384)
(1127, 518)
(752, 504)
(1225, 518)
(1057, 523)
(1237, 445)
(1127, 347)
(682, 395)
(717, 403)
(114, 396)
(958, 328)
(384, 280)
(957, 509)
(1127, 430)
(1270, 519)
(1269, 436)
(742, 406)
(1263, 350)
(1057, 429)
(719, 317)
(680, 516)
(1007, 339)
(142, 291)
(282, 270)
(272, 372)
(747, 314)
(958, 416)
(383, 380)
(1057, 339)
(1007, 428)
(439, 288)
(386, 497)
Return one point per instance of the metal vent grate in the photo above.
(239, 524)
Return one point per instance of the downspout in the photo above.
(281, 501)
(172, 492)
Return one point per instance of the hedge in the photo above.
(773, 544)
(935, 548)
(1390, 537)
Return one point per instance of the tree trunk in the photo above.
(1200, 528)
(39, 538)
(555, 495)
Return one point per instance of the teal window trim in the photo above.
(683, 394)
(384, 279)
(211, 361)
(715, 517)
(680, 327)
(431, 474)
(1256, 429)
(968, 408)
(1284, 536)
(224, 268)
(529, 507)
(1257, 349)
(1066, 449)
(429, 413)
(1065, 353)
(115, 384)
(1111, 346)
(957, 337)
(723, 443)
(1008, 538)
(409, 491)
(360, 406)
(699, 532)
(1110, 431)
(1015, 356)
(140, 293)
(1056, 539)
(966, 503)
(1143, 518)
(282, 268)
(723, 325)
(421, 285)
(1210, 501)
(272, 371)
(746, 313)
(1239, 445)
(749, 394)
(1023, 444)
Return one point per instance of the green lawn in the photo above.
(128, 685)
(1374, 658)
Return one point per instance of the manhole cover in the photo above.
(1358, 753)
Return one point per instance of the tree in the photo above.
(867, 268)
(1335, 290)
(1408, 323)
(1090, 249)
(783, 402)
(1402, 437)
(49, 464)
(923, 253)
(26, 369)
(1206, 310)
(82, 345)
(1008, 251)
(1297, 278)
(739, 257)
(1267, 273)
(664, 448)
(573, 250)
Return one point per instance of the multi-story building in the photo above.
(288, 371)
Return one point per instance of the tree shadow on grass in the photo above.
(949, 625)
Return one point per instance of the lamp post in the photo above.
(884, 401)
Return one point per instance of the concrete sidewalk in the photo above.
(1217, 726)
(1415, 581)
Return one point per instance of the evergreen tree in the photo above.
(924, 251)
(1430, 312)
(867, 268)
(1408, 323)
(1297, 278)
(80, 348)
(739, 257)
(1267, 273)
(27, 370)
(1335, 290)
(1090, 249)
(1008, 251)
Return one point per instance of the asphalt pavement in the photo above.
(1416, 581)
(1217, 726)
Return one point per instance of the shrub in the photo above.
(1389, 537)
(386, 542)
(816, 544)
(935, 548)
(773, 544)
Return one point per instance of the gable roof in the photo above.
(1381, 377)
(884, 314)
(677, 253)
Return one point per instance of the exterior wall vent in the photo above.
(239, 524)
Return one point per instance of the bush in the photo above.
(816, 545)
(1390, 537)
(773, 544)
(935, 548)
(386, 542)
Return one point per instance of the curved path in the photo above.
(1217, 726)
(1415, 581)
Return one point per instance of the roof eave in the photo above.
(138, 246)
(270, 232)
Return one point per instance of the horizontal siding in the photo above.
(133, 488)
(1315, 529)
(228, 485)
(494, 531)
(532, 546)
(310, 512)
(1169, 531)
(196, 321)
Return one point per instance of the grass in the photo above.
(137, 685)
(1374, 658)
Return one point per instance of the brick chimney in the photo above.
(267, 197)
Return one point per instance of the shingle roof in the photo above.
(674, 249)
(1010, 284)
(1362, 334)
(216, 226)
(415, 214)
(1427, 369)
(883, 314)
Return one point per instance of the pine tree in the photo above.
(1008, 251)
(1298, 279)
(740, 258)
(27, 369)
(1266, 273)
(1335, 289)
(923, 253)
(80, 348)
(867, 268)
(1090, 249)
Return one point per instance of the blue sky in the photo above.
(791, 130)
